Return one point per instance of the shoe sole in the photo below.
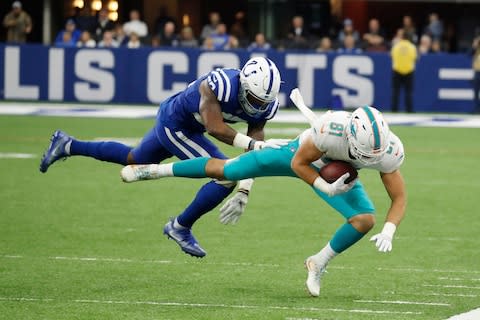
(183, 249)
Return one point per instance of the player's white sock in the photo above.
(177, 225)
(67, 147)
(323, 257)
(165, 170)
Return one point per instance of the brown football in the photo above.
(337, 168)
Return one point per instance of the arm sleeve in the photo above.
(220, 84)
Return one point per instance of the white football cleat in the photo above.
(315, 272)
(132, 173)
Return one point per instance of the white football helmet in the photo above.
(259, 85)
(368, 135)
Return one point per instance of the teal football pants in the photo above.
(276, 162)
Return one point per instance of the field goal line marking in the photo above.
(440, 304)
(246, 264)
(210, 305)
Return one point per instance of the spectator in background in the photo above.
(187, 38)
(260, 43)
(103, 24)
(410, 32)
(211, 27)
(436, 46)
(162, 18)
(348, 29)
(135, 25)
(71, 29)
(155, 42)
(18, 24)
(349, 46)
(232, 43)
(404, 56)
(239, 29)
(133, 41)
(86, 40)
(119, 35)
(476, 77)
(425, 44)
(435, 27)
(374, 38)
(66, 40)
(208, 44)
(297, 36)
(325, 45)
(168, 38)
(108, 41)
(220, 37)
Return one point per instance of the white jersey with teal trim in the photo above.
(330, 136)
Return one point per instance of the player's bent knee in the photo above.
(363, 222)
(214, 168)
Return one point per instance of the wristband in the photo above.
(389, 229)
(245, 184)
(321, 185)
(242, 141)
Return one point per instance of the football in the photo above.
(335, 169)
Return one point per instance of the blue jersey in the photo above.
(182, 110)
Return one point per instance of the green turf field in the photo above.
(77, 243)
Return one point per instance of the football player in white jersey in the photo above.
(362, 138)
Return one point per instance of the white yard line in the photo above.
(470, 315)
(436, 294)
(405, 302)
(246, 264)
(12, 155)
(150, 111)
(450, 286)
(458, 279)
(210, 305)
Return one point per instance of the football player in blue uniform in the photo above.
(207, 105)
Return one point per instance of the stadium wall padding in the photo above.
(443, 82)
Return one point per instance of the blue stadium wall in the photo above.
(147, 76)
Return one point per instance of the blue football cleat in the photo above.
(185, 239)
(56, 150)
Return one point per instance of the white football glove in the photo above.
(270, 143)
(383, 240)
(334, 188)
(231, 211)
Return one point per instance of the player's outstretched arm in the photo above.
(212, 117)
(395, 186)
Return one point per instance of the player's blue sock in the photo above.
(345, 237)
(207, 198)
(192, 168)
(105, 150)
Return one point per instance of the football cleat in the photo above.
(56, 150)
(138, 172)
(315, 272)
(184, 238)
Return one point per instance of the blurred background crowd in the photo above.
(323, 26)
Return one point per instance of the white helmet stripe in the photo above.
(270, 83)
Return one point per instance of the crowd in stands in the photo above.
(99, 31)
(216, 35)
